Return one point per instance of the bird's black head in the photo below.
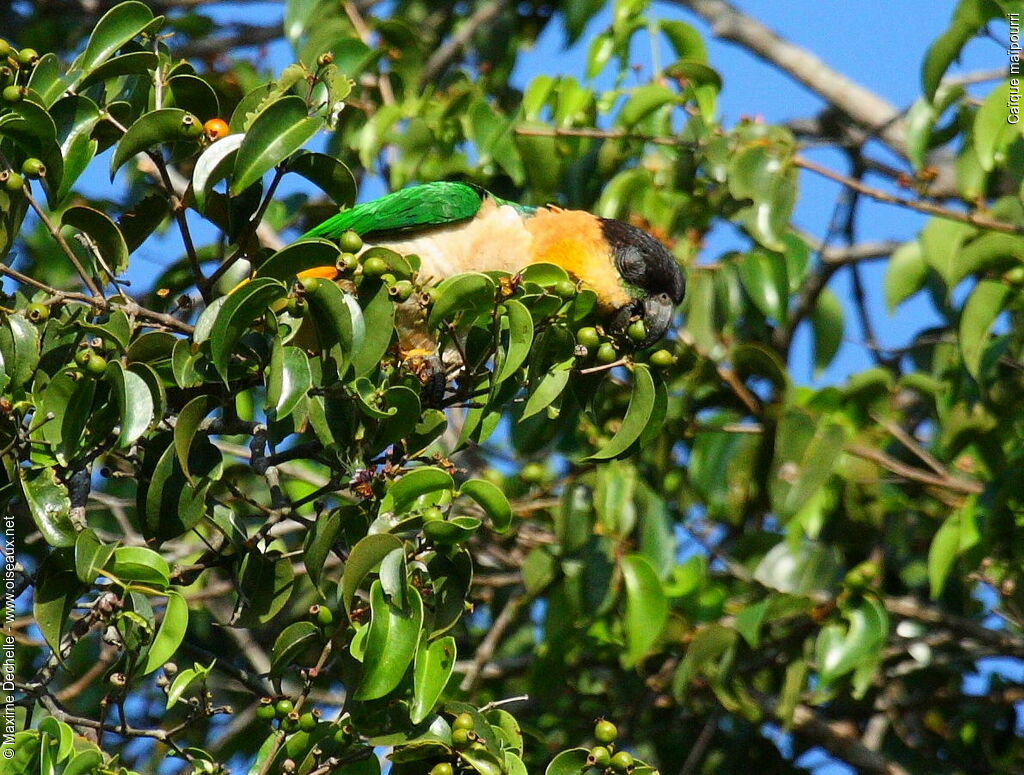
(651, 273)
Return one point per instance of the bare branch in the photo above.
(441, 58)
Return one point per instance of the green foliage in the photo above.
(240, 451)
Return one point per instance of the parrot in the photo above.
(458, 227)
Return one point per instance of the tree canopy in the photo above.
(247, 541)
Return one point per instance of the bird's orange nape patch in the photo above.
(326, 272)
(573, 240)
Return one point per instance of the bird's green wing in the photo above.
(417, 207)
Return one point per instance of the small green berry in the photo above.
(322, 615)
(308, 721)
(605, 731)
(607, 353)
(401, 290)
(37, 312)
(297, 307)
(12, 181)
(350, 242)
(588, 337)
(462, 738)
(463, 721)
(533, 473)
(622, 761)
(290, 723)
(388, 279)
(637, 331)
(14, 93)
(96, 366)
(566, 289)
(442, 768)
(266, 711)
(662, 359)
(6, 74)
(374, 267)
(5, 48)
(28, 56)
(191, 126)
(599, 756)
(284, 707)
(347, 262)
(433, 514)
(82, 356)
(324, 59)
(33, 168)
(310, 284)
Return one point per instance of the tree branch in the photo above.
(441, 58)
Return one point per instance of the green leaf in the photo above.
(170, 634)
(807, 568)
(339, 320)
(90, 556)
(167, 503)
(56, 590)
(19, 345)
(141, 565)
(46, 80)
(642, 402)
(212, 166)
(307, 253)
(391, 642)
(827, 326)
(279, 130)
(492, 500)
(190, 418)
(134, 403)
(319, 541)
(839, 650)
(984, 305)
(289, 380)
(75, 117)
(327, 173)
(294, 640)
(365, 557)
(552, 383)
(570, 762)
(115, 28)
(645, 100)
(151, 129)
(941, 243)
(244, 305)
(379, 320)
(190, 92)
(49, 504)
(520, 340)
(992, 132)
(942, 53)
(765, 280)
(404, 492)
(471, 292)
(806, 450)
(131, 63)
(904, 274)
(265, 584)
(433, 668)
(646, 606)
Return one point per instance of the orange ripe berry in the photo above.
(215, 129)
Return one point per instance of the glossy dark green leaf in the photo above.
(451, 531)
(338, 318)
(420, 481)
(130, 63)
(49, 504)
(765, 281)
(319, 541)
(391, 643)
(170, 633)
(433, 668)
(570, 762)
(465, 293)
(141, 565)
(289, 380)
(56, 591)
(379, 320)
(520, 340)
(189, 419)
(265, 584)
(245, 304)
(941, 243)
(213, 165)
(75, 117)
(642, 402)
(806, 450)
(328, 174)
(19, 344)
(134, 402)
(191, 93)
(167, 503)
(298, 257)
(645, 100)
(492, 500)
(294, 640)
(646, 606)
(166, 125)
(986, 302)
(365, 557)
(115, 28)
(279, 130)
(827, 326)
(803, 569)
(482, 761)
(905, 274)
(91, 555)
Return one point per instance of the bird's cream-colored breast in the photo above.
(494, 239)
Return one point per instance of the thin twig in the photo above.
(444, 55)
(948, 482)
(490, 642)
(64, 246)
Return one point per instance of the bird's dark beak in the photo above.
(657, 317)
(656, 313)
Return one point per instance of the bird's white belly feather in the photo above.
(495, 238)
